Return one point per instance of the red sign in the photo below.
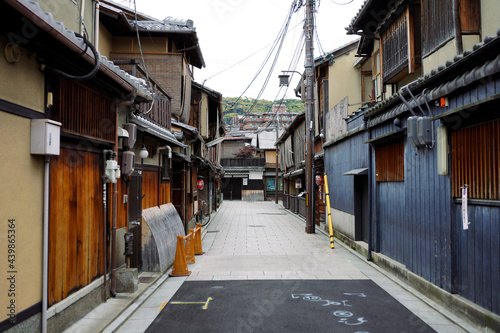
(200, 184)
(319, 180)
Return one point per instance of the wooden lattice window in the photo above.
(401, 46)
(389, 161)
(476, 161)
(83, 111)
(438, 24)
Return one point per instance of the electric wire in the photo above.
(283, 34)
(296, 5)
(142, 56)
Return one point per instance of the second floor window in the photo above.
(401, 52)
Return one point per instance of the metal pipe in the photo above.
(96, 23)
(370, 191)
(114, 189)
(45, 259)
(104, 239)
(105, 224)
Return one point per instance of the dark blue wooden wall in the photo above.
(477, 253)
(419, 222)
(345, 156)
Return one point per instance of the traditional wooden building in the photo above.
(424, 158)
(66, 231)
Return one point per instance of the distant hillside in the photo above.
(245, 103)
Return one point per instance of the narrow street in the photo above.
(262, 273)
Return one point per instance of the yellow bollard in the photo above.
(328, 209)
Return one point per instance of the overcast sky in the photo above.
(232, 30)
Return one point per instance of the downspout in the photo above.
(45, 264)
(105, 231)
(114, 190)
(96, 23)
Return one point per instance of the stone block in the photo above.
(127, 280)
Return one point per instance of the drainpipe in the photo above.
(104, 228)
(96, 23)
(45, 259)
(114, 190)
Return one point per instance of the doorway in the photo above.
(361, 208)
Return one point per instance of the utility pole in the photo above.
(309, 66)
(277, 156)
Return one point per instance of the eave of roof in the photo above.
(45, 21)
(336, 53)
(148, 25)
(456, 73)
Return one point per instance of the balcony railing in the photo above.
(242, 162)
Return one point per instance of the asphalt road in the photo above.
(351, 306)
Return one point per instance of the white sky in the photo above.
(231, 30)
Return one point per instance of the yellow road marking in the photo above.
(205, 304)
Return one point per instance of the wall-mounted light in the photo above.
(144, 152)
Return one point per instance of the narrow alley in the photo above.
(262, 273)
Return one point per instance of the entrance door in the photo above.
(232, 188)
(135, 217)
(361, 207)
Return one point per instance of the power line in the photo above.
(296, 5)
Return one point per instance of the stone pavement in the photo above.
(262, 241)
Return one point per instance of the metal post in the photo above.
(309, 66)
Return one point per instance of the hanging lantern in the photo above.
(200, 184)
(319, 180)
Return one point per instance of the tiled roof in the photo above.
(169, 24)
(57, 29)
(156, 130)
(392, 106)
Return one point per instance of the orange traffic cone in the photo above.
(189, 248)
(198, 250)
(180, 265)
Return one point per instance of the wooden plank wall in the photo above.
(345, 156)
(75, 223)
(155, 193)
